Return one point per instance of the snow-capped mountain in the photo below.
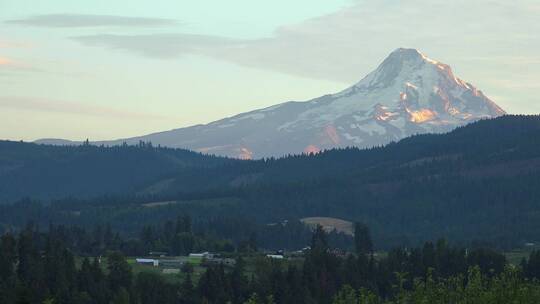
(407, 94)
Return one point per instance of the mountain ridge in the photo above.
(407, 94)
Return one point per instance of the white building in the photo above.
(153, 262)
(205, 255)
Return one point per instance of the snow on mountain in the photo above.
(407, 94)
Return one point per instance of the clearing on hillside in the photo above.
(329, 224)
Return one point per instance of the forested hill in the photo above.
(503, 147)
(478, 182)
(44, 171)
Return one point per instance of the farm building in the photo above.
(152, 262)
(205, 255)
(218, 261)
(172, 263)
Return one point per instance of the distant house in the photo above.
(218, 261)
(338, 252)
(275, 256)
(205, 255)
(152, 262)
(172, 263)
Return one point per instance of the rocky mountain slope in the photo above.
(407, 94)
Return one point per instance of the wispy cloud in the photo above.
(9, 45)
(8, 66)
(56, 106)
(519, 83)
(162, 45)
(514, 60)
(342, 46)
(4, 61)
(81, 20)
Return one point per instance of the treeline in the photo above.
(183, 236)
(224, 234)
(173, 238)
(88, 222)
(473, 287)
(40, 268)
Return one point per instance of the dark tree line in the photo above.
(38, 267)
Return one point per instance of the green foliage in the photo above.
(346, 295)
(508, 287)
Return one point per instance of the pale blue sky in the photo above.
(112, 69)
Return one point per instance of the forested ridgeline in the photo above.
(500, 211)
(480, 182)
(44, 171)
(39, 267)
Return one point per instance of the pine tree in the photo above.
(7, 269)
(187, 291)
(121, 297)
(120, 275)
(238, 281)
(362, 239)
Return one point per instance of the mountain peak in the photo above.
(407, 94)
(405, 65)
(407, 54)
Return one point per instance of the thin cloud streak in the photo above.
(81, 20)
(343, 46)
(165, 46)
(55, 106)
(8, 66)
(9, 45)
(4, 61)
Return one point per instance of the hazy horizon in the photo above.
(103, 70)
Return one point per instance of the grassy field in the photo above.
(198, 269)
(217, 202)
(329, 224)
(159, 204)
(515, 257)
(136, 268)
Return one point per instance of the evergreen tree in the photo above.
(187, 291)
(238, 281)
(119, 276)
(362, 239)
(8, 261)
(121, 297)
